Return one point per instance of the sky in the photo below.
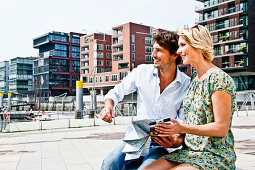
(23, 20)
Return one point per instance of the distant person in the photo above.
(161, 88)
(209, 105)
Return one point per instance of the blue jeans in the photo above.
(115, 160)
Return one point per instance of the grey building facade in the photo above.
(4, 77)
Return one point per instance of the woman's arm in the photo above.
(221, 102)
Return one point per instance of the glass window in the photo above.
(133, 56)
(133, 47)
(108, 55)
(108, 47)
(60, 47)
(101, 79)
(75, 55)
(149, 58)
(123, 74)
(75, 49)
(106, 78)
(148, 49)
(98, 47)
(76, 40)
(114, 77)
(148, 40)
(133, 38)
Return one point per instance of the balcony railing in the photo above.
(210, 5)
(240, 51)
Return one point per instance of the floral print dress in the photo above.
(205, 152)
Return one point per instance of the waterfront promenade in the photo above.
(84, 148)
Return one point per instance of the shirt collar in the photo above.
(178, 77)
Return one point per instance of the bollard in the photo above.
(79, 100)
(9, 102)
(1, 99)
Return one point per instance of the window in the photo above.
(85, 79)
(98, 47)
(58, 38)
(148, 40)
(60, 53)
(108, 48)
(108, 63)
(75, 49)
(123, 74)
(101, 79)
(91, 80)
(148, 58)
(148, 49)
(98, 55)
(114, 77)
(84, 71)
(108, 55)
(133, 38)
(133, 56)
(106, 78)
(133, 47)
(98, 63)
(75, 55)
(76, 40)
(84, 56)
(61, 47)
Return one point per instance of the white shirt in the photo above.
(150, 103)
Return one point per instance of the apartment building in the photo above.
(96, 57)
(233, 37)
(112, 57)
(58, 66)
(4, 76)
(21, 77)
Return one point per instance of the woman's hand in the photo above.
(165, 130)
(173, 141)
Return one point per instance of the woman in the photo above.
(208, 108)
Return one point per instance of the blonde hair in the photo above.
(199, 38)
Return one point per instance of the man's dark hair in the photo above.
(169, 41)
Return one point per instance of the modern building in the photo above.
(96, 56)
(58, 66)
(233, 37)
(4, 76)
(21, 77)
(112, 57)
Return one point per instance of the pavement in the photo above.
(84, 146)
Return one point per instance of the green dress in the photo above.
(205, 152)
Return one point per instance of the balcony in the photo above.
(123, 65)
(211, 18)
(225, 40)
(226, 27)
(209, 6)
(240, 51)
(117, 50)
(84, 56)
(117, 31)
(117, 41)
(85, 49)
(84, 64)
(117, 57)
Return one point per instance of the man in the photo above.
(161, 88)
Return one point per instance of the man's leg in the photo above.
(155, 153)
(114, 160)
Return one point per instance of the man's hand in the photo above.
(173, 141)
(107, 113)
